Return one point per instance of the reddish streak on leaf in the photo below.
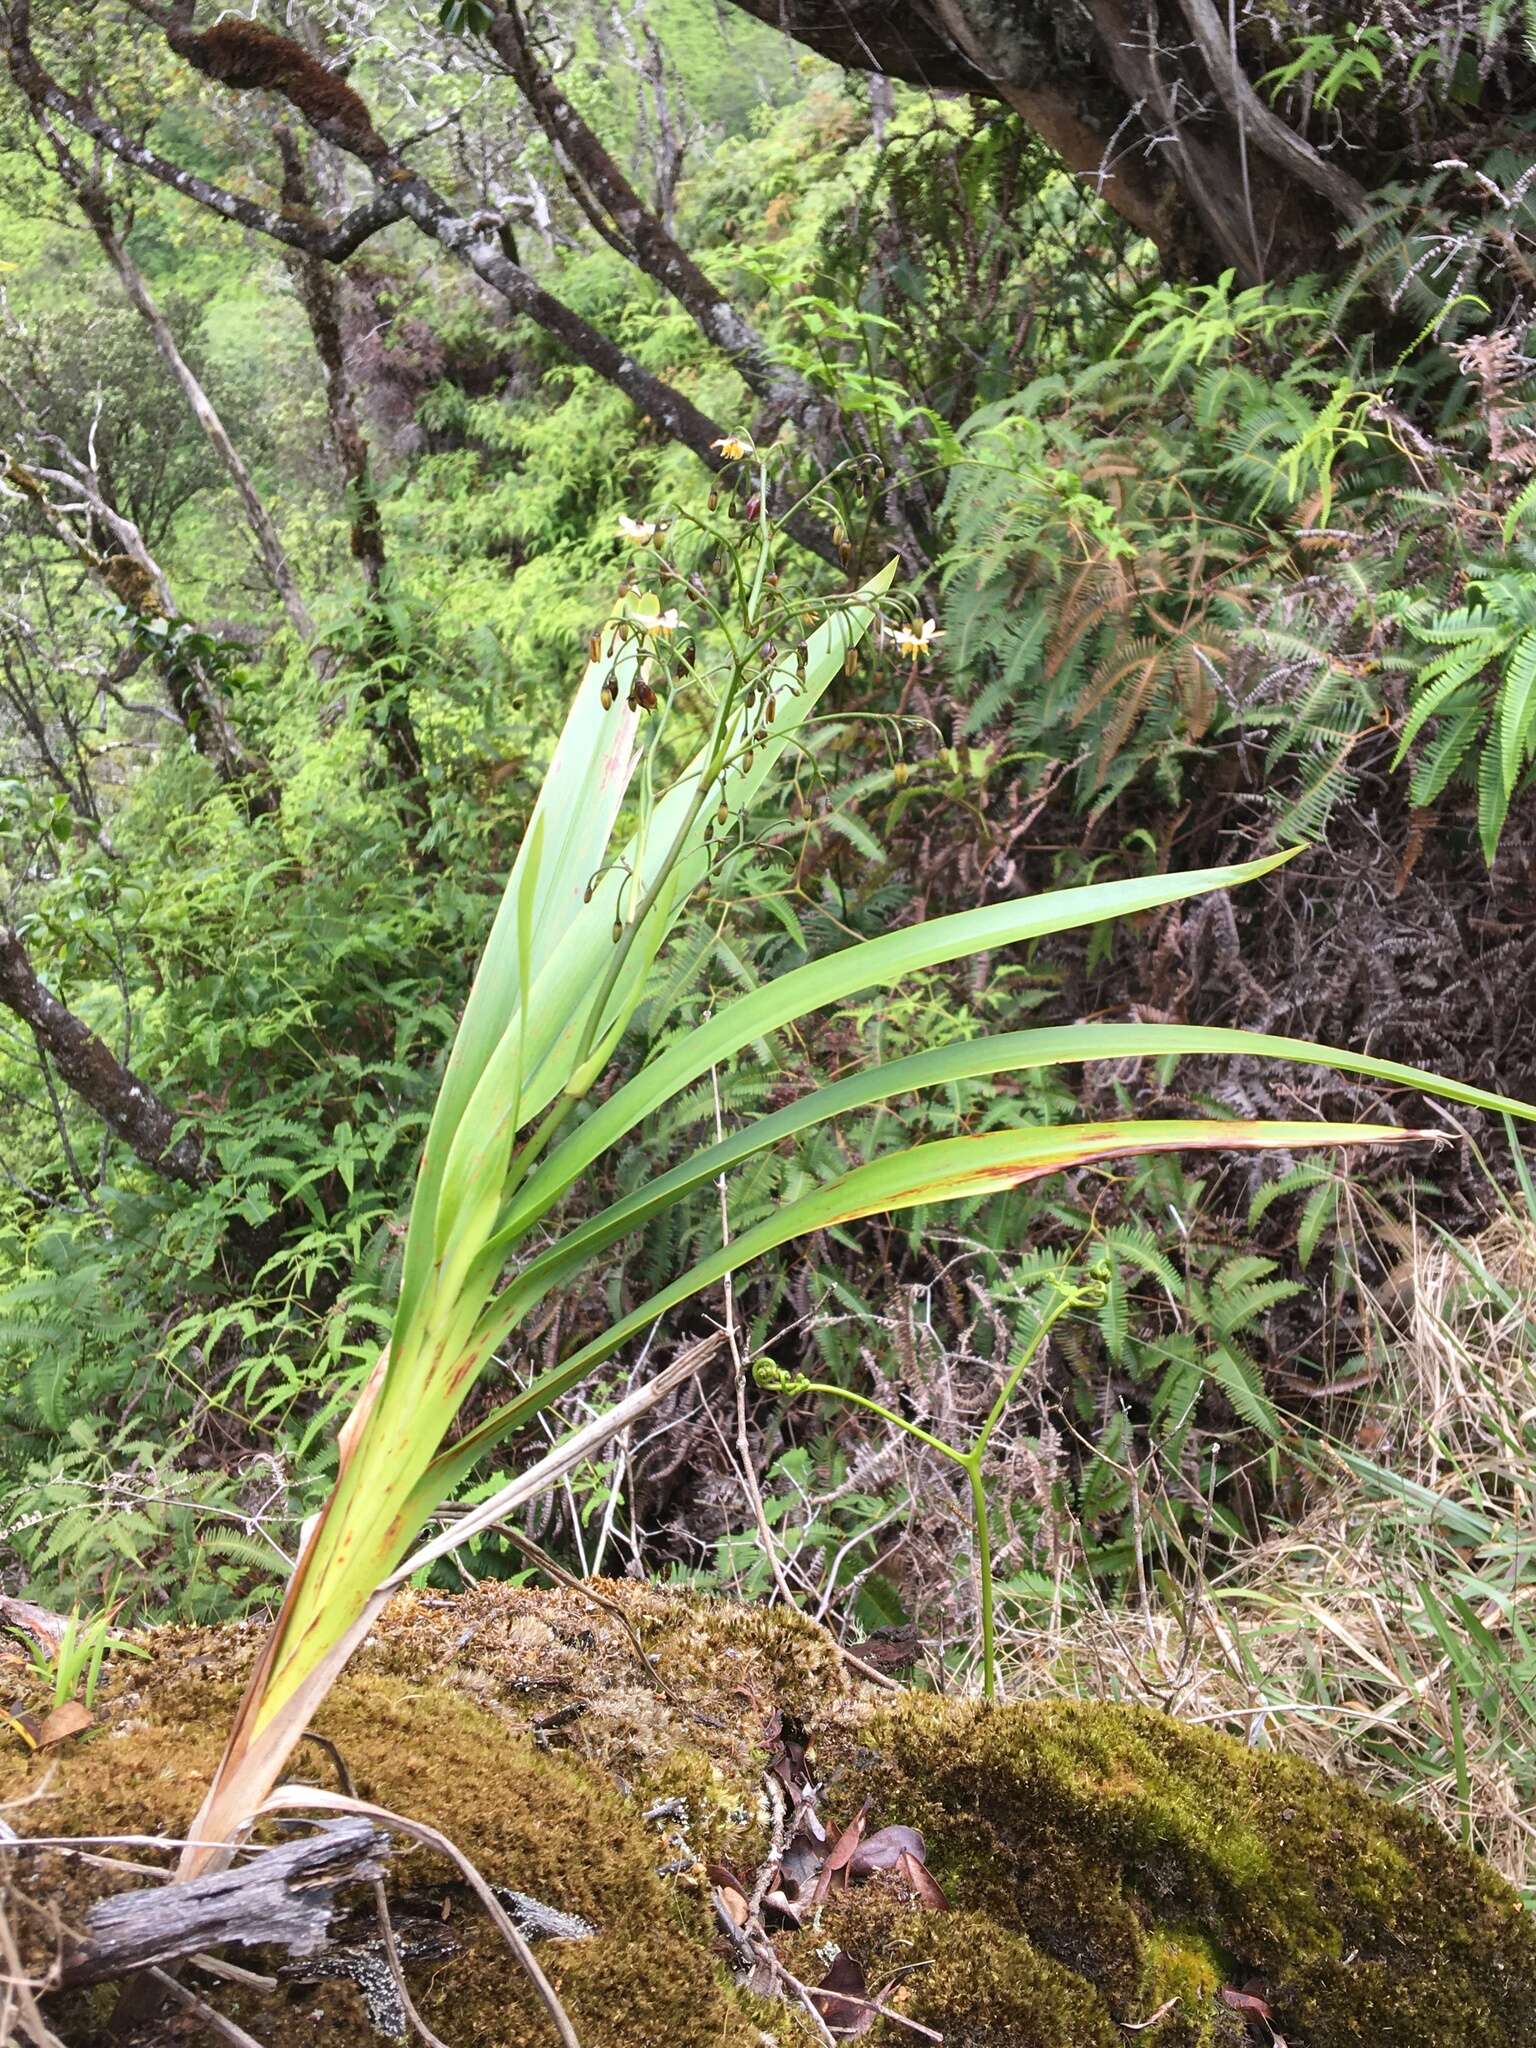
(1091, 1143)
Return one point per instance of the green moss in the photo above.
(1098, 1829)
(1103, 1864)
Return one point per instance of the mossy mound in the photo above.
(1103, 1865)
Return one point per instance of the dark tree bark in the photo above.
(621, 216)
(280, 1898)
(319, 288)
(128, 1106)
(1154, 103)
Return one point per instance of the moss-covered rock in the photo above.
(1105, 1867)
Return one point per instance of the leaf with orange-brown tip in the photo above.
(949, 1169)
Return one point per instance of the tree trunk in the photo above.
(1153, 102)
(269, 545)
(319, 288)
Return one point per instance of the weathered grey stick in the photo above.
(280, 1898)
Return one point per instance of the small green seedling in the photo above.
(74, 1666)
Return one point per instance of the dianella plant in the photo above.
(697, 698)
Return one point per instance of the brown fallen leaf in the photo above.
(732, 1903)
(840, 1855)
(780, 1910)
(884, 1849)
(1244, 2001)
(920, 1880)
(842, 1999)
(891, 1650)
(71, 1718)
(904, 1852)
(798, 1870)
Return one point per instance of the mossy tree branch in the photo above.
(133, 577)
(622, 217)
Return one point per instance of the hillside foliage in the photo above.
(1225, 555)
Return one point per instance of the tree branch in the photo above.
(129, 1107)
(474, 241)
(1279, 141)
(274, 556)
(1140, 194)
(1210, 180)
(138, 583)
(643, 234)
(334, 244)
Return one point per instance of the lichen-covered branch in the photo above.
(335, 243)
(269, 545)
(248, 59)
(128, 1106)
(132, 576)
(1264, 126)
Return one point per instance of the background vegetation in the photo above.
(1227, 527)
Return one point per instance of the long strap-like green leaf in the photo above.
(877, 963)
(946, 1170)
(1011, 1052)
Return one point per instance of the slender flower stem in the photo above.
(983, 1526)
(1082, 1291)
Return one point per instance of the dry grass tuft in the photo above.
(1386, 1631)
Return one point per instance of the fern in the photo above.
(1478, 679)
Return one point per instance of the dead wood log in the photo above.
(280, 1898)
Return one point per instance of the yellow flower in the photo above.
(734, 446)
(915, 640)
(647, 617)
(637, 530)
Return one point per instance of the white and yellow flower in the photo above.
(646, 616)
(916, 640)
(734, 446)
(639, 532)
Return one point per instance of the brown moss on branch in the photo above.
(250, 58)
(1104, 1864)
